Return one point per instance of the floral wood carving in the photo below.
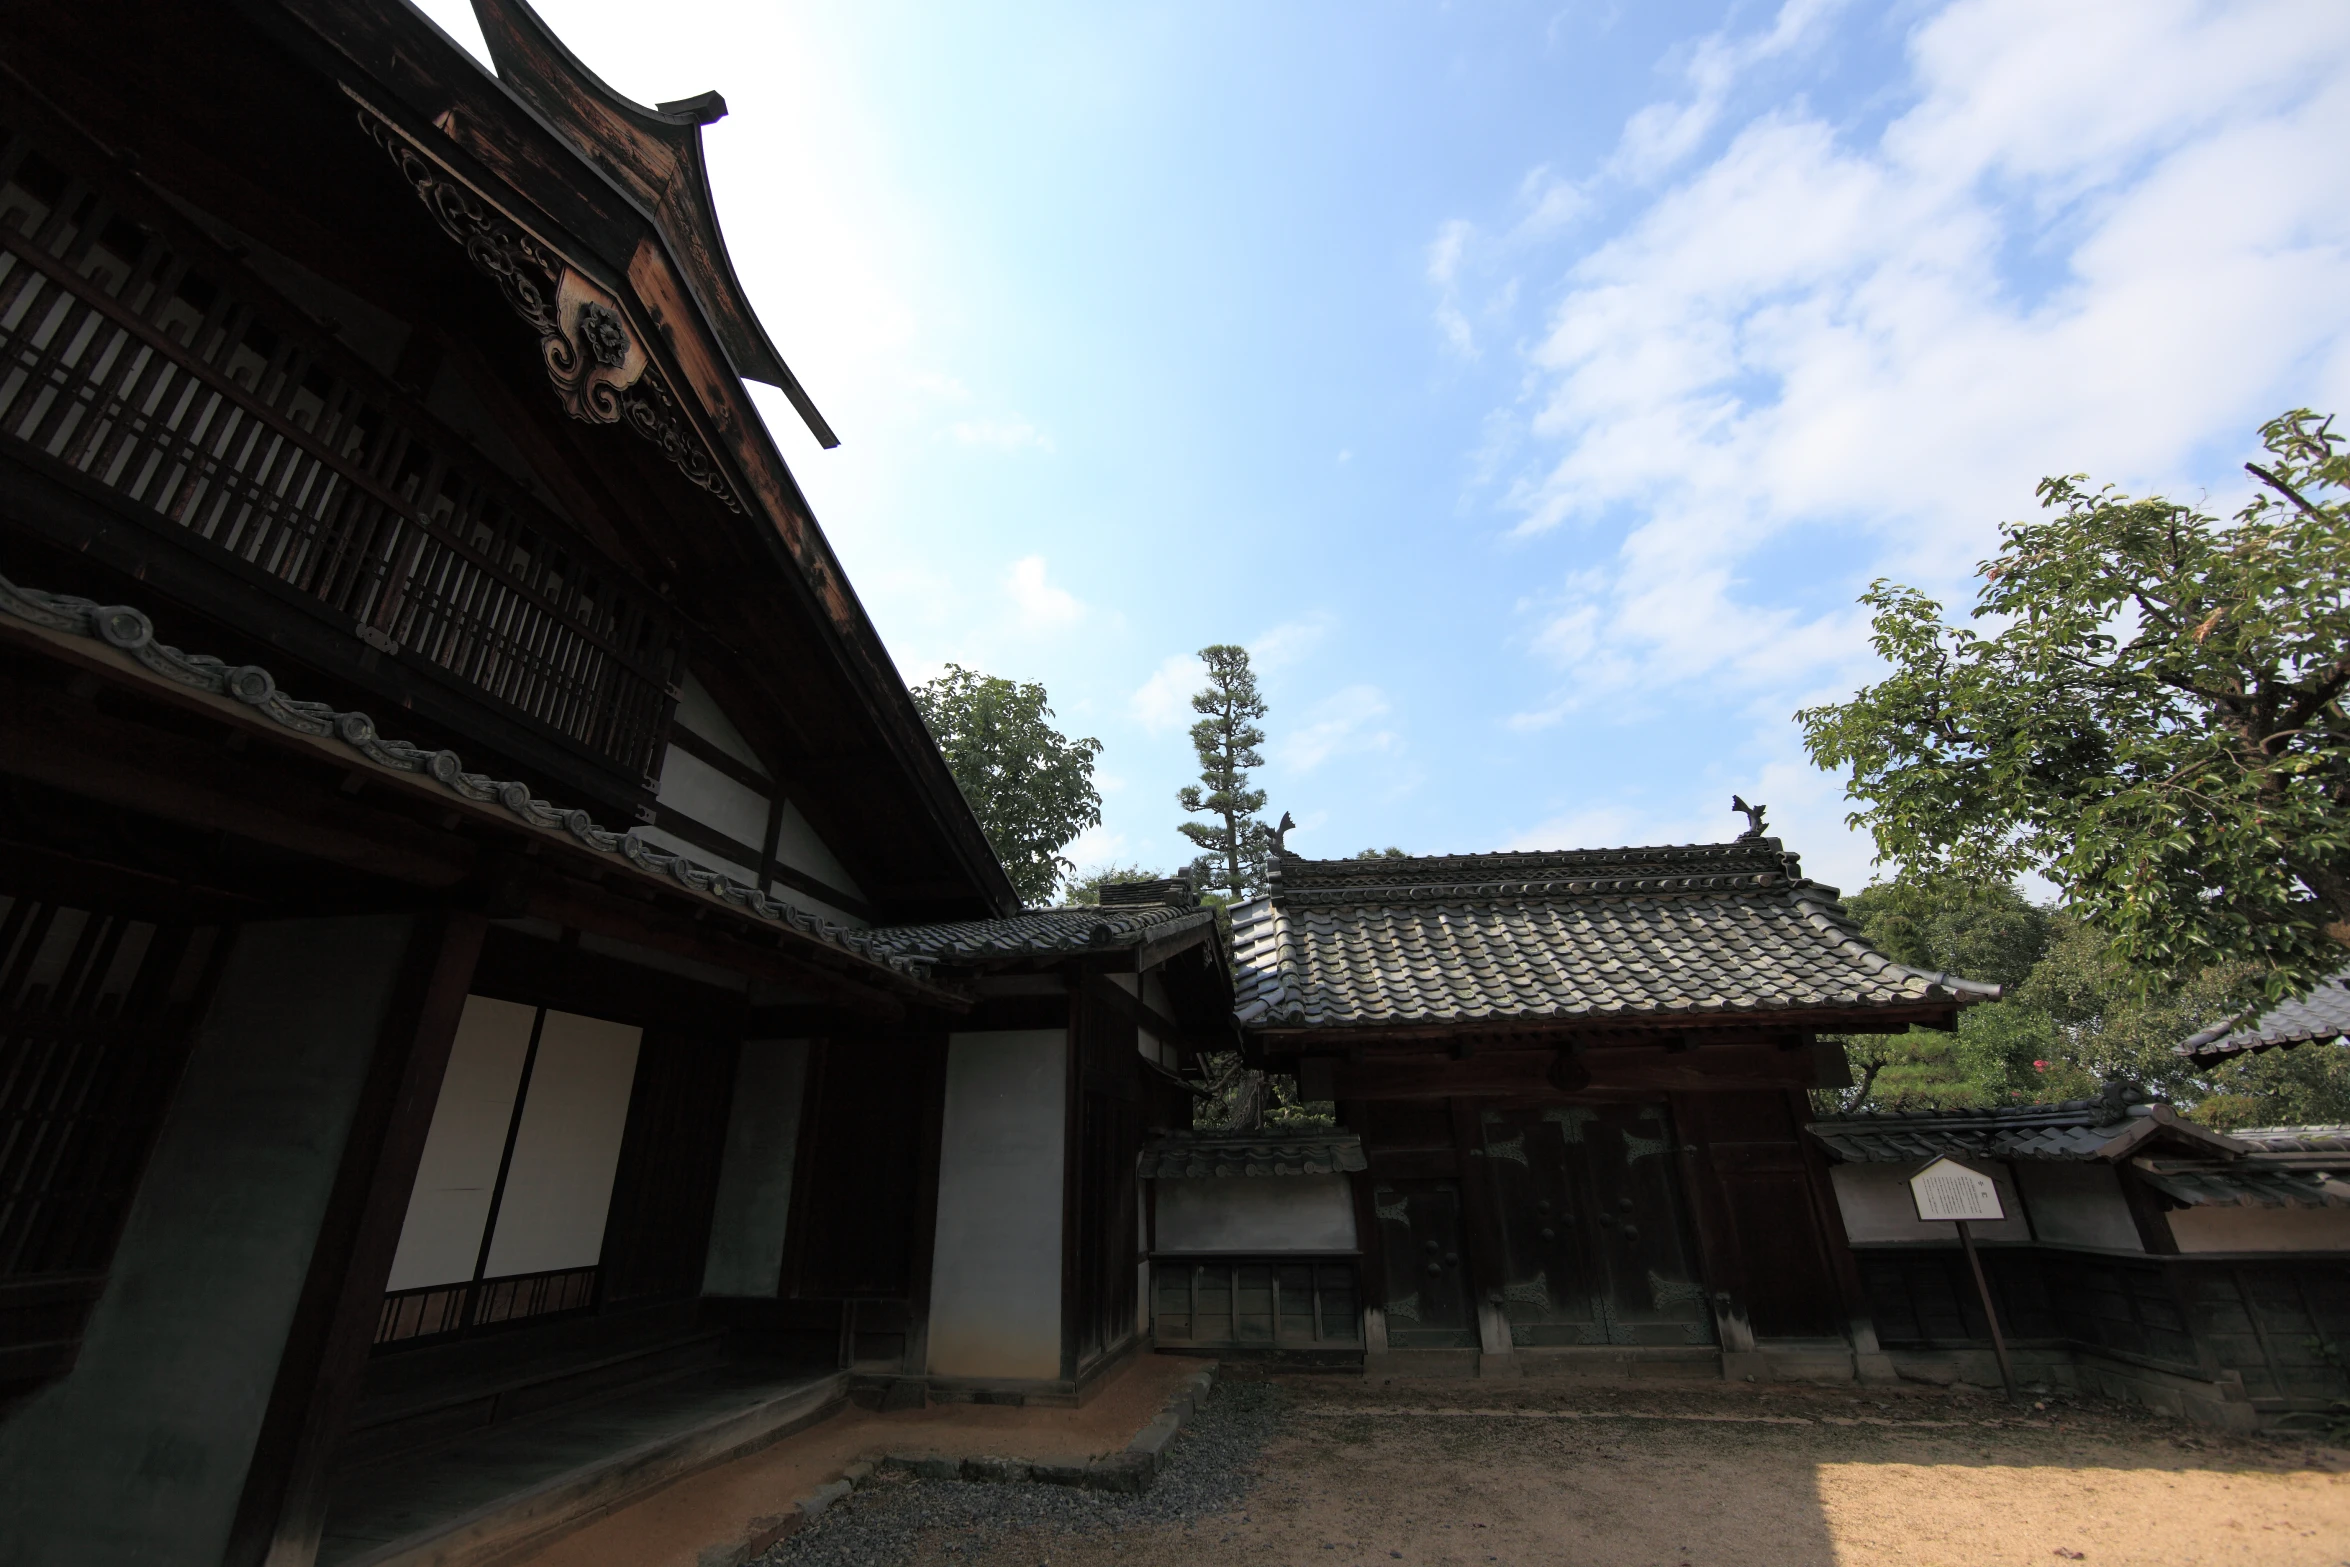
(601, 371)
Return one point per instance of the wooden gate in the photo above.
(1428, 1290)
(1593, 1239)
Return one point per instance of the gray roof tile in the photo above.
(2321, 1017)
(1195, 1154)
(1038, 933)
(1602, 935)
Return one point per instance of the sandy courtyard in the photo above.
(1360, 1475)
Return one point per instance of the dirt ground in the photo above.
(1365, 1474)
(671, 1527)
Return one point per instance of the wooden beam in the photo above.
(1140, 1013)
(285, 789)
(1157, 951)
(1529, 1073)
(1532, 1033)
(47, 736)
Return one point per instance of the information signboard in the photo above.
(1946, 1190)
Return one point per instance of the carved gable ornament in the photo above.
(597, 361)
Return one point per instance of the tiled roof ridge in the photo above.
(1096, 926)
(1502, 888)
(2067, 1112)
(1291, 873)
(130, 631)
(1180, 1154)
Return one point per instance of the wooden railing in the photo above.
(135, 350)
(441, 1311)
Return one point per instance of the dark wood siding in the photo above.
(1765, 1229)
(854, 1201)
(96, 1012)
(1108, 1142)
(657, 1236)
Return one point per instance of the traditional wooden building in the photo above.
(1579, 1081)
(2141, 1256)
(452, 803)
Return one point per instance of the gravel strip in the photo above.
(1210, 1469)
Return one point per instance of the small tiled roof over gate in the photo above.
(1695, 933)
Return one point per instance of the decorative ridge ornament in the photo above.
(1754, 819)
(127, 629)
(601, 371)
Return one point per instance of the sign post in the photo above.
(1947, 1192)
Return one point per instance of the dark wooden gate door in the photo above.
(1594, 1244)
(1428, 1300)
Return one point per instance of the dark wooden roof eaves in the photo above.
(2329, 1143)
(2075, 1130)
(2253, 1182)
(1039, 933)
(655, 156)
(1192, 1156)
(423, 74)
(1679, 933)
(131, 633)
(2321, 1017)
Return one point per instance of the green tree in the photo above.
(2308, 1085)
(1234, 840)
(2152, 719)
(1390, 853)
(1243, 1099)
(1030, 786)
(2076, 1014)
(1983, 930)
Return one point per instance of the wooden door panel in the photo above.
(1428, 1299)
(1595, 1249)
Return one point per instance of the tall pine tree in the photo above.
(1233, 840)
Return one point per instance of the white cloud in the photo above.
(1345, 723)
(2091, 243)
(1444, 265)
(1662, 134)
(1288, 642)
(1163, 702)
(1040, 605)
(1096, 847)
(1003, 435)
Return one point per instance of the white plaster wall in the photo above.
(2261, 1229)
(995, 1281)
(754, 1180)
(573, 1114)
(1278, 1213)
(2078, 1204)
(797, 846)
(441, 1239)
(1876, 1204)
(699, 711)
(693, 786)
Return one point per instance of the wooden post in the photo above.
(1966, 1241)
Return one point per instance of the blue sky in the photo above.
(1531, 388)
